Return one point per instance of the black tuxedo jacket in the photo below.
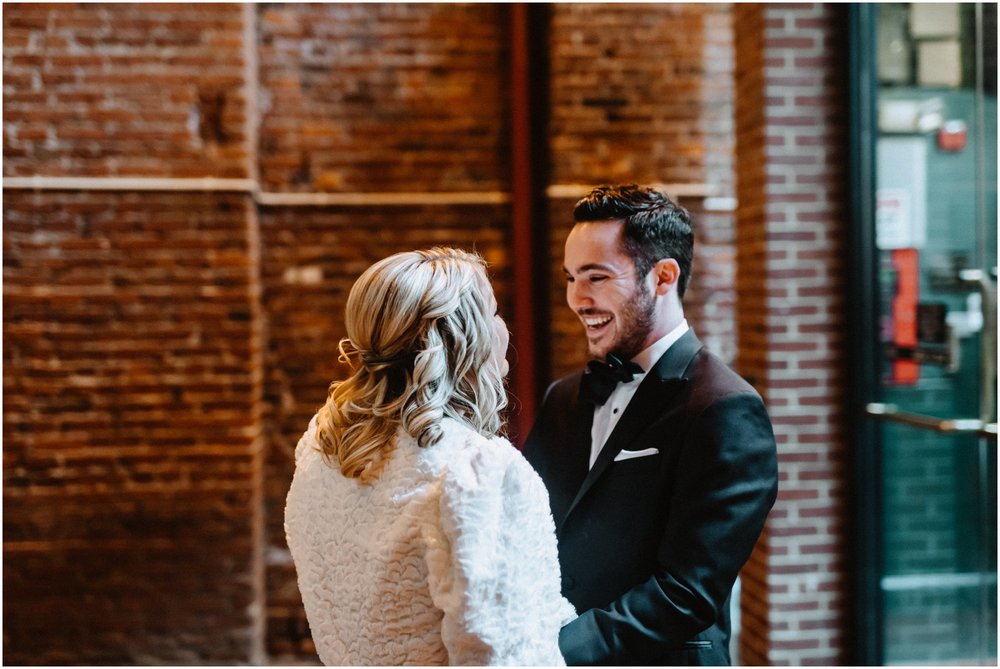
(650, 547)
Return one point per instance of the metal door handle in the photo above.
(986, 283)
(892, 413)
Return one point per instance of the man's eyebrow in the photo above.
(592, 266)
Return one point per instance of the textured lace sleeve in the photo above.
(492, 562)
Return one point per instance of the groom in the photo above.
(659, 460)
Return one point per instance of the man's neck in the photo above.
(648, 356)
(664, 326)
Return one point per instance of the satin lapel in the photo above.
(651, 397)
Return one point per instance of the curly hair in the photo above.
(420, 343)
(654, 228)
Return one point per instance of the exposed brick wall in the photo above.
(710, 301)
(628, 90)
(383, 97)
(644, 93)
(138, 90)
(163, 352)
(133, 527)
(311, 259)
(131, 426)
(791, 133)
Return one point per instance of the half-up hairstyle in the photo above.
(420, 343)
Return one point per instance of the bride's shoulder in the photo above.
(461, 438)
(484, 484)
(473, 459)
(463, 448)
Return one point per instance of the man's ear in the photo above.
(667, 273)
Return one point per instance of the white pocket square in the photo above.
(628, 455)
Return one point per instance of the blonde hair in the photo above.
(420, 341)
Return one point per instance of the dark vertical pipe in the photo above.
(529, 235)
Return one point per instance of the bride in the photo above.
(419, 535)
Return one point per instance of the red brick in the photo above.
(124, 521)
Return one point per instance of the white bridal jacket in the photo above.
(449, 557)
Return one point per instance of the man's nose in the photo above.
(577, 296)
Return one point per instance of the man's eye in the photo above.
(597, 278)
(569, 279)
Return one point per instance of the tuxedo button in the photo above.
(568, 583)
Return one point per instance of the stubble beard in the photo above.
(636, 319)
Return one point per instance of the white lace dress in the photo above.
(448, 558)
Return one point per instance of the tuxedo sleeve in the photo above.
(532, 449)
(725, 483)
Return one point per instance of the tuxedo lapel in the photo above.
(651, 398)
(674, 363)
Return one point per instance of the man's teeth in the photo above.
(596, 322)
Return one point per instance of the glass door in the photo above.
(933, 404)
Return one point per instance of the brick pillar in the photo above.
(791, 130)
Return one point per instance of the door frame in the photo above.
(862, 342)
(865, 362)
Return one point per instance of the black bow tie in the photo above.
(601, 378)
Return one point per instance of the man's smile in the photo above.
(594, 324)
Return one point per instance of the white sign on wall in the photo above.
(893, 218)
(901, 197)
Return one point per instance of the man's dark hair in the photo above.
(654, 226)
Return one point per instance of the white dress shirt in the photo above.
(606, 415)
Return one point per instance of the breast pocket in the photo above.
(636, 476)
(647, 461)
(625, 454)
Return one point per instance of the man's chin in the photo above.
(597, 352)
